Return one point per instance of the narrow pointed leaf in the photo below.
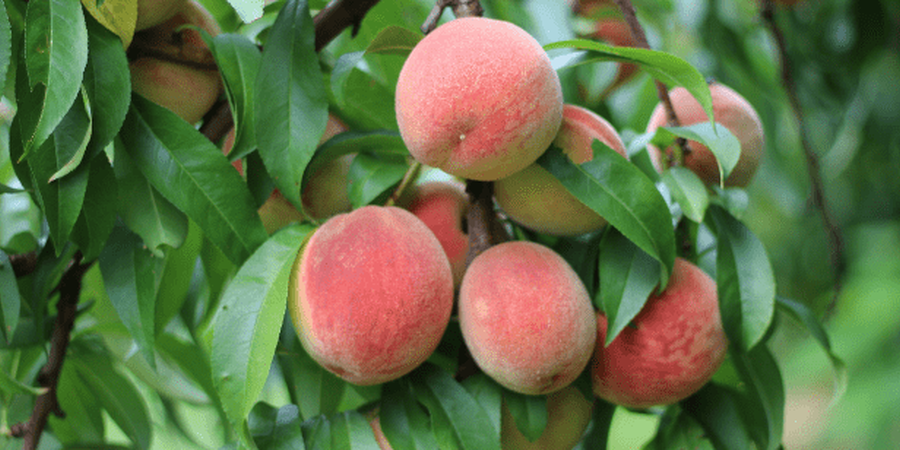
(318, 391)
(720, 141)
(5, 44)
(249, 319)
(403, 421)
(10, 299)
(351, 431)
(745, 281)
(394, 40)
(670, 69)
(131, 275)
(291, 106)
(529, 413)
(623, 195)
(84, 415)
(98, 215)
(62, 199)
(628, 276)
(107, 84)
(238, 60)
(763, 408)
(688, 190)
(489, 395)
(457, 418)
(276, 429)
(718, 410)
(195, 176)
(371, 176)
(118, 16)
(379, 142)
(597, 436)
(143, 209)
(72, 136)
(55, 56)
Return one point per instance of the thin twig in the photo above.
(833, 230)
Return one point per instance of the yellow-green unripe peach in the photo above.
(526, 317)
(731, 110)
(371, 294)
(568, 416)
(536, 199)
(188, 87)
(151, 13)
(442, 207)
(674, 347)
(326, 192)
(479, 99)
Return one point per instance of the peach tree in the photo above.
(145, 283)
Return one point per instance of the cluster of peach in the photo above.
(373, 290)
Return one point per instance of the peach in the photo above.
(151, 13)
(371, 294)
(568, 416)
(536, 199)
(173, 67)
(479, 99)
(526, 317)
(674, 347)
(442, 207)
(614, 31)
(730, 110)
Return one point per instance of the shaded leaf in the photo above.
(107, 84)
(276, 428)
(176, 278)
(189, 171)
(379, 142)
(597, 435)
(10, 299)
(763, 406)
(718, 410)
(291, 105)
(98, 215)
(238, 60)
(529, 412)
(371, 176)
(628, 276)
(5, 45)
(618, 191)
(688, 190)
(403, 421)
(745, 281)
(247, 323)
(84, 415)
(315, 390)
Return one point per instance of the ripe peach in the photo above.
(173, 67)
(526, 317)
(568, 415)
(442, 207)
(730, 110)
(479, 99)
(674, 347)
(537, 200)
(370, 294)
(154, 12)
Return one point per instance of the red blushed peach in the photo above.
(370, 294)
(674, 347)
(479, 99)
(442, 207)
(536, 199)
(730, 110)
(568, 415)
(526, 317)
(190, 87)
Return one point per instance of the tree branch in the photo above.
(833, 230)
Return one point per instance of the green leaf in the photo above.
(746, 283)
(62, 199)
(291, 104)
(248, 10)
(250, 316)
(379, 142)
(582, 254)
(623, 195)
(350, 430)
(489, 395)
(107, 84)
(176, 278)
(5, 44)
(276, 428)
(84, 416)
(115, 393)
(720, 141)
(119, 16)
(628, 276)
(131, 275)
(689, 191)
(678, 430)
(371, 176)
(763, 407)
(529, 413)
(238, 60)
(394, 40)
(457, 418)
(10, 299)
(597, 436)
(403, 421)
(804, 315)
(718, 410)
(670, 69)
(143, 209)
(4, 189)
(10, 385)
(195, 176)
(190, 358)
(72, 136)
(98, 215)
(315, 390)
(55, 56)
(21, 223)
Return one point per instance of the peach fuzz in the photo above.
(442, 207)
(731, 110)
(526, 317)
(568, 416)
(187, 90)
(370, 294)
(479, 99)
(675, 346)
(536, 199)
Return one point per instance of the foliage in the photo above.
(181, 337)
